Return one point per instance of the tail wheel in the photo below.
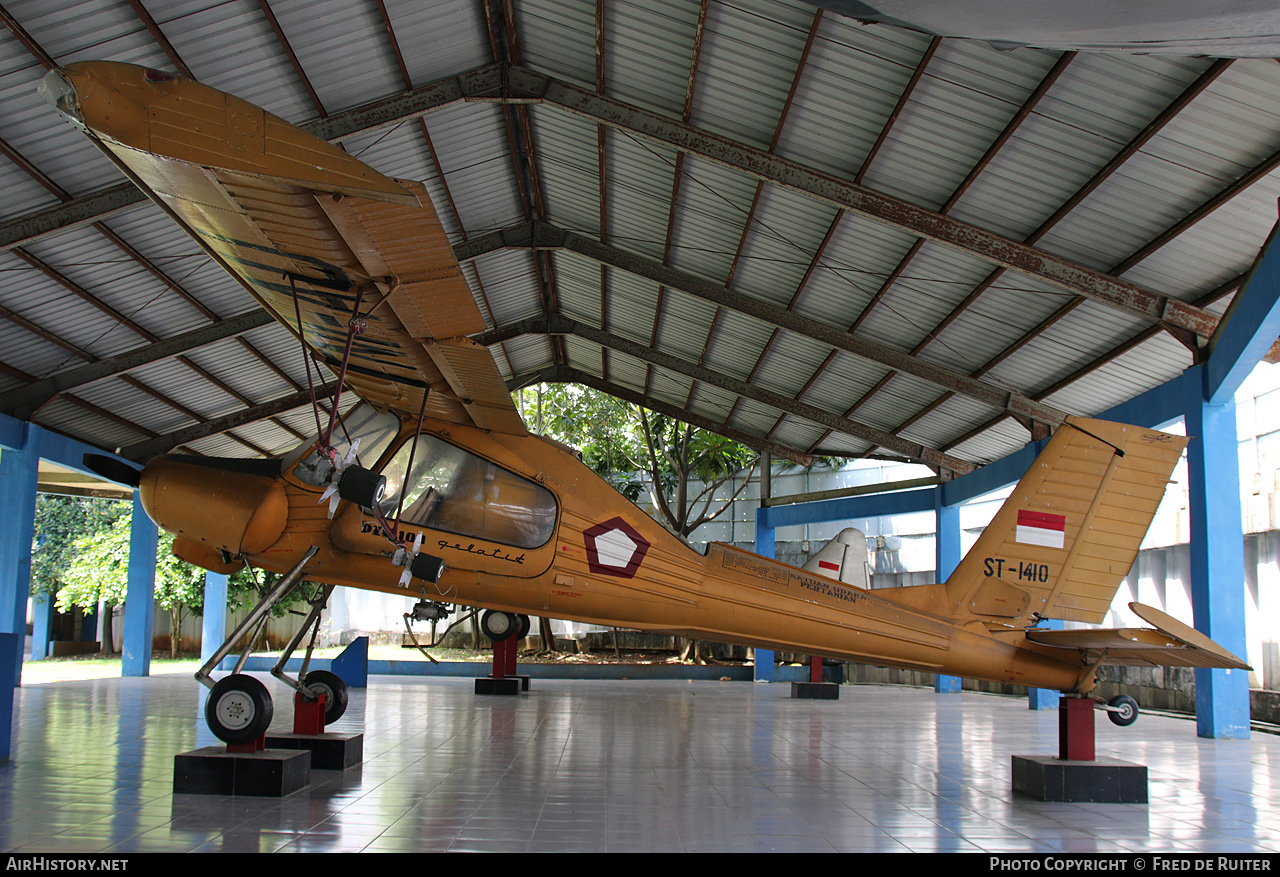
(499, 626)
(1124, 710)
(333, 689)
(238, 709)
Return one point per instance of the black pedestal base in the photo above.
(271, 773)
(1104, 780)
(328, 751)
(815, 690)
(506, 685)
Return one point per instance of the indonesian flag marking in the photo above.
(826, 564)
(1041, 528)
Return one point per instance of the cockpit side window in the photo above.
(458, 492)
(373, 430)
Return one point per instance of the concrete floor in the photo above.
(623, 766)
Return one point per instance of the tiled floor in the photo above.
(623, 766)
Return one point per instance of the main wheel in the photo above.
(333, 689)
(525, 624)
(238, 709)
(1125, 712)
(498, 626)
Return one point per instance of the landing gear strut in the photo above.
(239, 709)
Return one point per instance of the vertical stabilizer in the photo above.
(843, 558)
(1068, 534)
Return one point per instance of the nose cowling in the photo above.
(235, 506)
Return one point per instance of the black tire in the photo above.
(498, 626)
(238, 709)
(1126, 710)
(525, 624)
(334, 691)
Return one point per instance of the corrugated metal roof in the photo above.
(907, 116)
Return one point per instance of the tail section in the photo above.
(844, 558)
(1068, 534)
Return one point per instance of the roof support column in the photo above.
(214, 627)
(947, 553)
(766, 545)
(1217, 554)
(1248, 329)
(19, 468)
(140, 599)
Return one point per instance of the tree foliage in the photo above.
(81, 558)
(680, 467)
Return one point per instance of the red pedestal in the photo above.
(504, 658)
(1075, 729)
(248, 748)
(815, 669)
(308, 715)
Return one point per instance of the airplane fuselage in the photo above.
(602, 560)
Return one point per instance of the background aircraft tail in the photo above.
(844, 558)
(1068, 534)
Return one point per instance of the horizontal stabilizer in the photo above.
(1170, 644)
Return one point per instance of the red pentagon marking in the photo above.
(614, 548)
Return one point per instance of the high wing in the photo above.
(308, 230)
(1170, 643)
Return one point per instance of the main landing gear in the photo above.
(505, 629)
(239, 708)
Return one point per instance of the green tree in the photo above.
(680, 466)
(59, 522)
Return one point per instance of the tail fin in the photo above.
(844, 558)
(1068, 534)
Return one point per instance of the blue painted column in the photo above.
(1045, 698)
(41, 626)
(18, 476)
(947, 557)
(140, 600)
(213, 629)
(1217, 555)
(766, 544)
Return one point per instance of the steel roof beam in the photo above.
(25, 401)
(143, 451)
(879, 438)
(541, 236)
(1054, 270)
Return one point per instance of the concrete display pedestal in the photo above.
(815, 688)
(268, 773)
(1104, 780)
(1076, 775)
(328, 751)
(503, 679)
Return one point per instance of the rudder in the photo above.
(1068, 534)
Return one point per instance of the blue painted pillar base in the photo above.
(1043, 699)
(18, 476)
(764, 669)
(946, 559)
(1217, 555)
(213, 628)
(41, 626)
(9, 645)
(352, 666)
(946, 684)
(140, 602)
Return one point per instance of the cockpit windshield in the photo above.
(458, 492)
(372, 431)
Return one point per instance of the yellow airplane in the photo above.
(433, 487)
